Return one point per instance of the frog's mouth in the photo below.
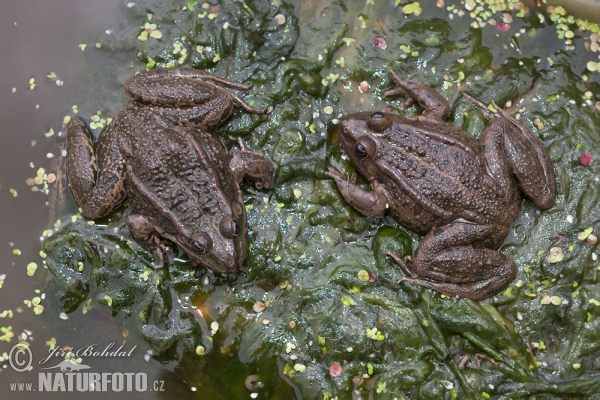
(220, 259)
(220, 263)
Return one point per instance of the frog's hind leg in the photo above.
(253, 166)
(98, 194)
(434, 105)
(528, 158)
(455, 260)
(240, 103)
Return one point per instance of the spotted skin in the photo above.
(461, 193)
(158, 153)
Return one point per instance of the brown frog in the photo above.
(461, 193)
(181, 181)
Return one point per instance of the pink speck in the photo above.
(335, 369)
(372, 277)
(388, 110)
(586, 159)
(380, 43)
(503, 26)
(363, 87)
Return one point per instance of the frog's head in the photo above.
(218, 242)
(362, 136)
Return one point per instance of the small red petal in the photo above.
(372, 277)
(335, 369)
(379, 42)
(503, 26)
(586, 159)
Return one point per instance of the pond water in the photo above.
(301, 302)
(36, 40)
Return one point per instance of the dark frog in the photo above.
(461, 193)
(181, 181)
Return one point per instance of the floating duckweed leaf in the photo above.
(585, 233)
(412, 8)
(348, 301)
(363, 275)
(556, 255)
(299, 367)
(348, 41)
(31, 268)
(191, 5)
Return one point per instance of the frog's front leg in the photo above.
(434, 105)
(145, 233)
(253, 166)
(455, 260)
(97, 194)
(370, 203)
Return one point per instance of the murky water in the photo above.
(35, 40)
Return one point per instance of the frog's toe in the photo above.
(334, 173)
(267, 184)
(159, 261)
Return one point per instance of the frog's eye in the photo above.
(379, 122)
(365, 147)
(230, 228)
(361, 151)
(202, 243)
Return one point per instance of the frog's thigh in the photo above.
(531, 165)
(252, 166)
(81, 162)
(146, 234)
(98, 195)
(448, 262)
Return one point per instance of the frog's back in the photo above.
(443, 164)
(182, 176)
(439, 146)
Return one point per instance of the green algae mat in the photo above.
(316, 312)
